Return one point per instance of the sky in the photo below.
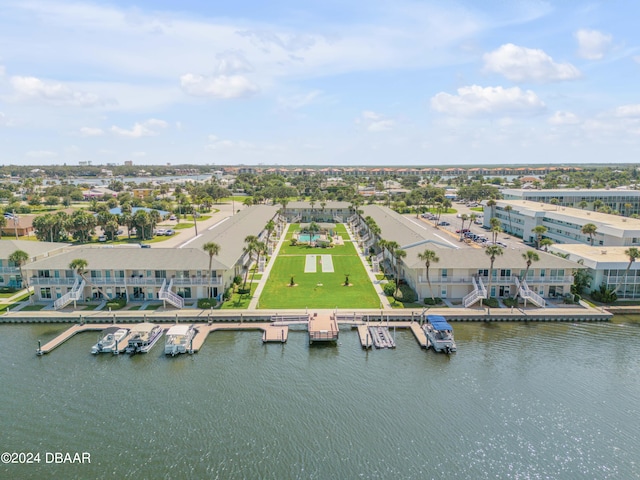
(329, 82)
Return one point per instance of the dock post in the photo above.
(191, 346)
(241, 318)
(176, 318)
(116, 351)
(114, 318)
(39, 351)
(282, 335)
(81, 320)
(208, 319)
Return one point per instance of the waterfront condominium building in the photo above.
(462, 269)
(10, 272)
(564, 224)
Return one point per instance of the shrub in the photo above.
(604, 295)
(294, 242)
(116, 303)
(389, 288)
(244, 291)
(207, 302)
(7, 290)
(228, 293)
(430, 301)
(491, 302)
(510, 302)
(406, 294)
(237, 280)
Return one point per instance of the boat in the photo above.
(440, 334)
(179, 339)
(143, 337)
(110, 340)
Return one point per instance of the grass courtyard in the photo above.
(320, 289)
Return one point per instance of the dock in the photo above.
(381, 337)
(365, 337)
(418, 332)
(67, 334)
(323, 328)
(275, 333)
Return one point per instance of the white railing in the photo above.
(9, 270)
(51, 281)
(478, 292)
(352, 218)
(166, 294)
(296, 219)
(482, 287)
(196, 281)
(74, 294)
(337, 219)
(531, 295)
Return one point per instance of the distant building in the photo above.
(128, 163)
(624, 201)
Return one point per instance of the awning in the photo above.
(439, 322)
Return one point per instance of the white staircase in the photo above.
(166, 294)
(338, 219)
(479, 292)
(74, 294)
(531, 295)
(296, 219)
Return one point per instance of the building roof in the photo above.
(570, 192)
(605, 222)
(597, 257)
(131, 259)
(329, 205)
(33, 249)
(231, 232)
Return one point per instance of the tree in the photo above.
(249, 249)
(19, 258)
(261, 249)
(590, 230)
(583, 204)
(581, 279)
(270, 227)
(464, 217)
(81, 225)
(495, 229)
(398, 254)
(492, 251)
(529, 256)
(508, 209)
(491, 203)
(212, 249)
(633, 253)
(539, 230)
(546, 243)
(3, 223)
(429, 256)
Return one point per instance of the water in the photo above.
(306, 237)
(521, 401)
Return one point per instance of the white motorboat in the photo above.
(179, 339)
(143, 337)
(110, 340)
(440, 334)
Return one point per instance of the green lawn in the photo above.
(182, 226)
(238, 301)
(477, 209)
(318, 290)
(32, 308)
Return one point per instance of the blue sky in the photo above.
(323, 83)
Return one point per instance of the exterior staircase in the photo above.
(479, 292)
(166, 294)
(74, 294)
(528, 294)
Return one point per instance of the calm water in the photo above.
(521, 401)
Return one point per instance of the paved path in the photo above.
(384, 301)
(253, 304)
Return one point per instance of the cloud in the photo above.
(592, 44)
(295, 102)
(148, 128)
(220, 86)
(2, 70)
(375, 122)
(91, 132)
(41, 154)
(521, 64)
(564, 118)
(6, 121)
(627, 111)
(53, 93)
(216, 143)
(476, 100)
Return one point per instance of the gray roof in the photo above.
(230, 233)
(131, 259)
(33, 249)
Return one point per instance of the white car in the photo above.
(161, 231)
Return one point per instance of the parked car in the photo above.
(145, 245)
(172, 217)
(464, 230)
(102, 238)
(169, 232)
(160, 231)
(444, 224)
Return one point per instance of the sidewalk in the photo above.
(384, 301)
(253, 304)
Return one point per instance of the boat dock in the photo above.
(381, 337)
(323, 328)
(365, 337)
(87, 327)
(418, 332)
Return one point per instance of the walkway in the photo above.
(254, 303)
(384, 301)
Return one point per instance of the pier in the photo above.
(87, 327)
(323, 328)
(365, 337)
(418, 332)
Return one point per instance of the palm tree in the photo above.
(546, 243)
(539, 230)
(270, 227)
(495, 228)
(464, 217)
(19, 258)
(633, 253)
(249, 249)
(260, 249)
(492, 252)
(398, 254)
(427, 257)
(3, 223)
(597, 204)
(491, 203)
(529, 256)
(212, 249)
(508, 209)
(589, 229)
(583, 204)
(80, 266)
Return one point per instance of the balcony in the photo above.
(51, 281)
(9, 270)
(197, 281)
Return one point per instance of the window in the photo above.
(443, 273)
(45, 293)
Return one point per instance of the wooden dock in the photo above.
(79, 328)
(418, 332)
(381, 337)
(323, 328)
(365, 337)
(274, 333)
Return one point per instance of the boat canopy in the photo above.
(439, 322)
(179, 330)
